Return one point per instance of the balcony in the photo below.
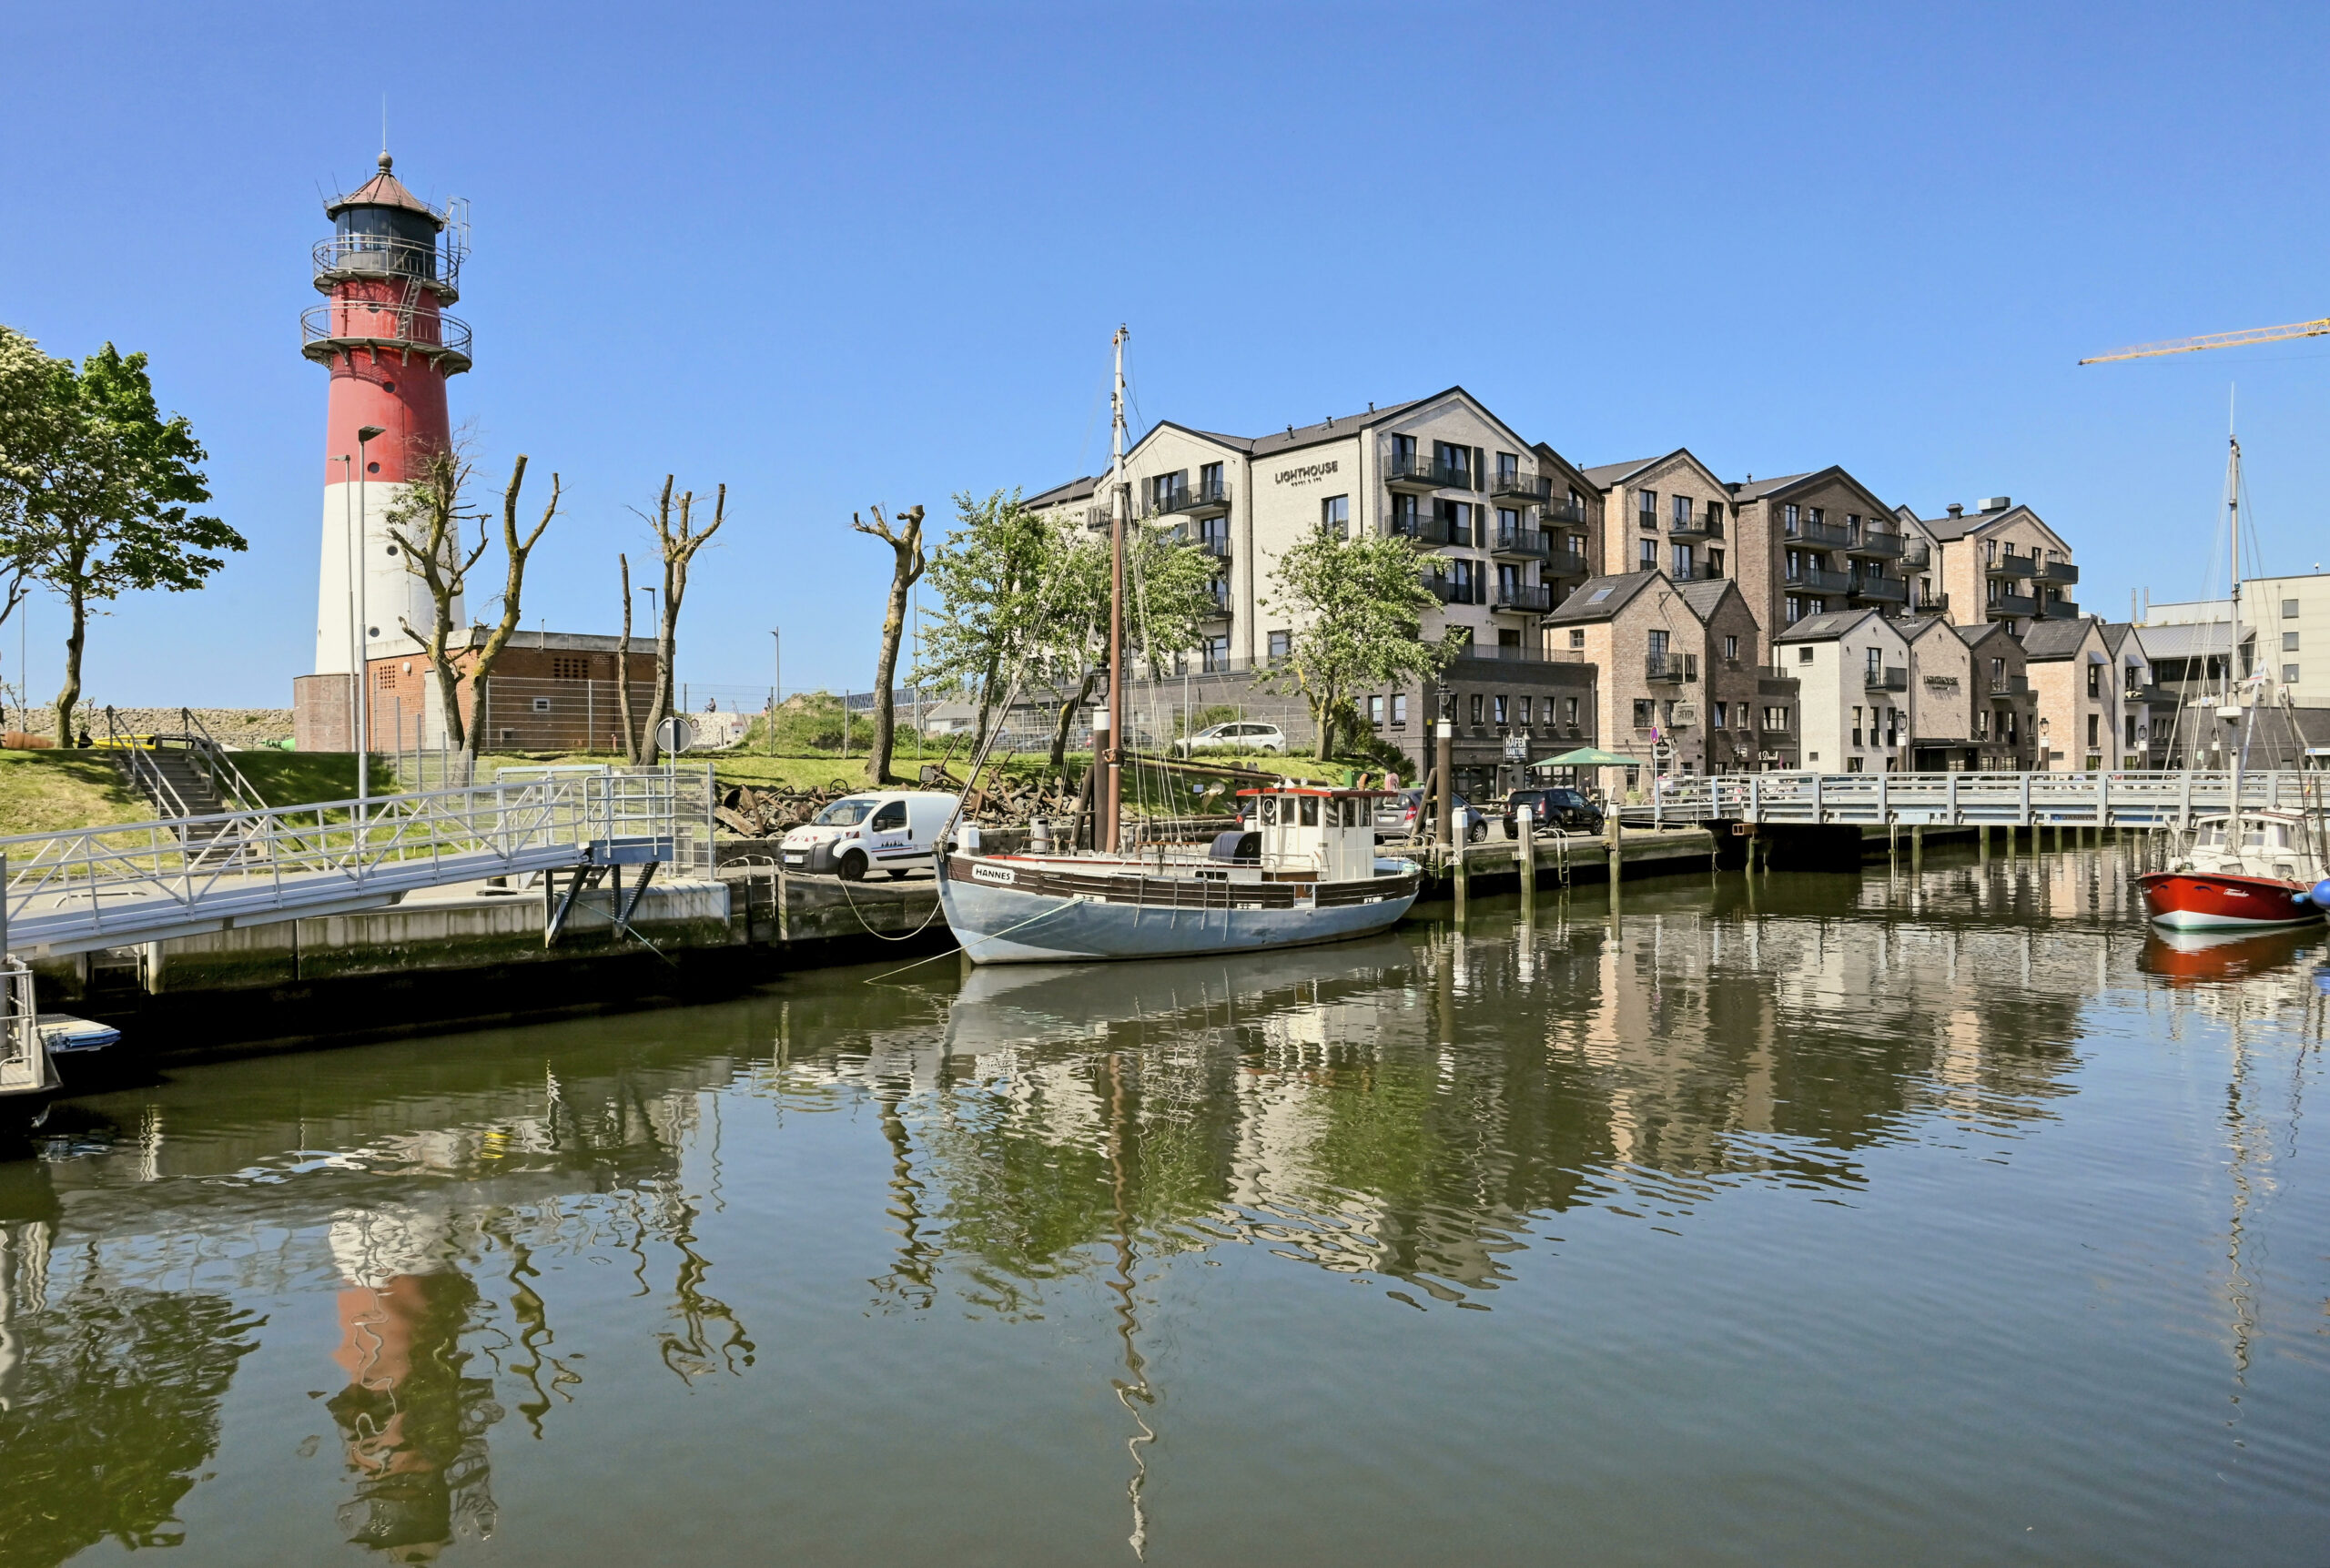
(1877, 544)
(1890, 678)
(1667, 669)
(1450, 590)
(2060, 572)
(2059, 609)
(1190, 500)
(378, 257)
(1426, 528)
(1933, 601)
(2011, 566)
(1215, 548)
(1568, 512)
(1523, 598)
(1876, 588)
(1916, 555)
(1565, 563)
(1819, 580)
(2155, 697)
(1526, 543)
(1520, 489)
(1817, 535)
(1700, 571)
(384, 326)
(1699, 525)
(2005, 605)
(1417, 472)
(2007, 688)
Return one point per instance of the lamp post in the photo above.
(364, 435)
(776, 689)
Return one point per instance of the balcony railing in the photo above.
(1424, 528)
(2059, 609)
(329, 331)
(2006, 688)
(1188, 500)
(1565, 563)
(1916, 555)
(2006, 604)
(1520, 489)
(2062, 572)
(1416, 471)
(1672, 669)
(1697, 572)
(1877, 544)
(1699, 525)
(1819, 580)
(347, 256)
(1523, 541)
(1522, 653)
(1449, 591)
(1568, 512)
(1878, 587)
(1887, 678)
(1526, 597)
(2156, 697)
(1818, 535)
(1934, 599)
(2011, 566)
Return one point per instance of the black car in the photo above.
(1553, 808)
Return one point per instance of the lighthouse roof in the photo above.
(383, 189)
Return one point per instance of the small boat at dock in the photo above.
(2249, 871)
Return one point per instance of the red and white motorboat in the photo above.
(2263, 873)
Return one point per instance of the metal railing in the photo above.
(439, 267)
(24, 1063)
(1415, 468)
(1668, 667)
(1877, 585)
(384, 323)
(1427, 529)
(1522, 596)
(1820, 580)
(1566, 562)
(1528, 541)
(1885, 678)
(1569, 512)
(1699, 525)
(1818, 535)
(141, 882)
(1204, 497)
(2059, 572)
(2059, 609)
(2012, 604)
(1522, 488)
(1877, 543)
(2011, 566)
(2133, 798)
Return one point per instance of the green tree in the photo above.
(105, 490)
(1168, 597)
(30, 434)
(1358, 606)
(988, 576)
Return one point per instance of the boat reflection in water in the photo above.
(2204, 957)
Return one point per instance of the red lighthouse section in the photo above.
(389, 270)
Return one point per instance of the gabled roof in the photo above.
(1826, 627)
(1706, 598)
(1975, 636)
(1607, 475)
(1947, 529)
(1758, 489)
(1601, 598)
(1768, 489)
(2049, 640)
(1915, 626)
(2117, 635)
(383, 189)
(1074, 490)
(1547, 454)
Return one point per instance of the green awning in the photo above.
(1589, 757)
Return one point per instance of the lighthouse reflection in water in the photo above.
(1803, 1219)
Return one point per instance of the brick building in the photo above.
(549, 692)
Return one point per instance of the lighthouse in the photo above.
(388, 269)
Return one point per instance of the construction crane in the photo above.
(2217, 340)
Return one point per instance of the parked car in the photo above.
(1557, 807)
(1398, 815)
(1243, 736)
(886, 830)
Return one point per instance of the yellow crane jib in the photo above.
(2217, 340)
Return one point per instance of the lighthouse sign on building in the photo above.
(390, 265)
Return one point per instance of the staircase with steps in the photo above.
(182, 775)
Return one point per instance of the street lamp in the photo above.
(365, 436)
(777, 691)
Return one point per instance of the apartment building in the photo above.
(1731, 662)
(1669, 515)
(2288, 619)
(1969, 697)
(1680, 686)
(1812, 543)
(2006, 715)
(2001, 562)
(1852, 668)
(2072, 674)
(2147, 710)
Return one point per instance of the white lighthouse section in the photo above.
(392, 596)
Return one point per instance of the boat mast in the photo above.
(1119, 506)
(2232, 641)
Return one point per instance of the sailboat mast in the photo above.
(1119, 507)
(2239, 740)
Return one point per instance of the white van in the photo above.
(879, 830)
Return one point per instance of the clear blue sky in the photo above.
(844, 255)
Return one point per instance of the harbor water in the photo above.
(1944, 1216)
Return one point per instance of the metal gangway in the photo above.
(183, 877)
(2125, 799)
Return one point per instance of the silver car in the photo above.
(1244, 736)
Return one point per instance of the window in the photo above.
(1460, 523)
(1524, 710)
(1466, 586)
(1508, 526)
(1731, 650)
(1649, 555)
(1335, 516)
(1714, 564)
(1982, 724)
(1404, 451)
(2092, 741)
(1209, 486)
(1167, 490)
(1790, 520)
(1643, 714)
(1876, 664)
(1670, 713)
(1998, 674)
(1375, 710)
(890, 818)
(1497, 712)
(1569, 710)
(1658, 639)
(2289, 674)
(1775, 719)
(2132, 731)
(1794, 610)
(2094, 683)
(1455, 461)
(1854, 764)
(2289, 642)
(1682, 563)
(1399, 710)
(1722, 712)
(1282, 643)
(1804, 654)
(1855, 726)
(1578, 637)
(1682, 506)
(1216, 652)
(1476, 710)
(1816, 515)
(1507, 465)
(1646, 508)
(2289, 609)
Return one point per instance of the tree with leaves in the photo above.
(677, 541)
(30, 434)
(1171, 594)
(905, 539)
(1357, 607)
(103, 490)
(988, 576)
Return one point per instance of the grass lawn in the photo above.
(54, 790)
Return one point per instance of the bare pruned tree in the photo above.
(515, 551)
(428, 527)
(677, 541)
(905, 545)
(622, 670)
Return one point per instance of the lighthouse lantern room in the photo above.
(390, 265)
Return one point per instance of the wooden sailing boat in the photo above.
(1307, 871)
(2247, 868)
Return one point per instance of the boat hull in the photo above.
(1045, 915)
(2206, 901)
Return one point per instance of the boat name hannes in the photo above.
(1305, 475)
(1002, 873)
